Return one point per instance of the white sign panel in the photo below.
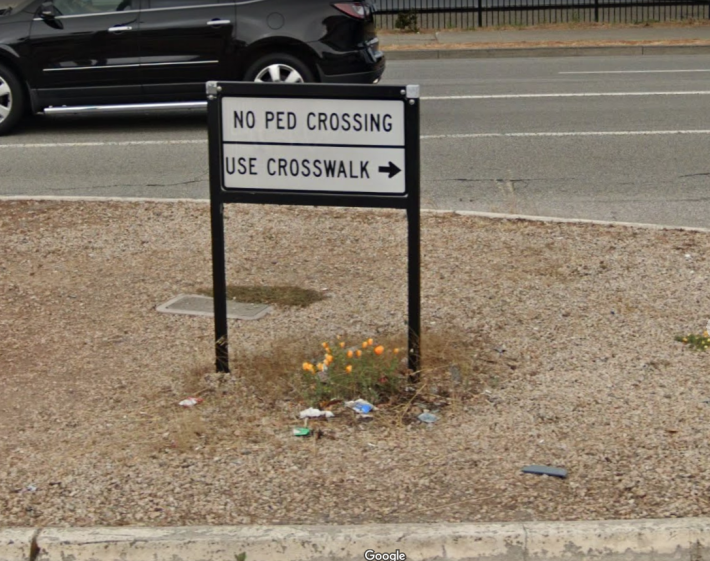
(314, 121)
(314, 168)
(327, 145)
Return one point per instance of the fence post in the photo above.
(478, 5)
(596, 11)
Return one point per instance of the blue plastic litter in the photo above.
(362, 408)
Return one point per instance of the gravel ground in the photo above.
(590, 379)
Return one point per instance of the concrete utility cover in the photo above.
(195, 305)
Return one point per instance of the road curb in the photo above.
(557, 220)
(17, 544)
(680, 539)
(480, 214)
(528, 52)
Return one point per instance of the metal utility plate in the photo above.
(195, 305)
(546, 470)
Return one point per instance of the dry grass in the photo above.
(690, 22)
(462, 364)
(481, 33)
(186, 429)
(262, 394)
(274, 295)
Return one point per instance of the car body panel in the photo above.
(337, 41)
(185, 44)
(94, 52)
(15, 44)
(84, 51)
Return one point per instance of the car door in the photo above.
(185, 43)
(85, 48)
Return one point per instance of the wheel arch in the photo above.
(10, 60)
(280, 45)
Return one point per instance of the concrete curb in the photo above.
(527, 52)
(481, 214)
(612, 540)
(557, 220)
(17, 544)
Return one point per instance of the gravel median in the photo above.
(576, 321)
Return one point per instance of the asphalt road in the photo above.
(612, 138)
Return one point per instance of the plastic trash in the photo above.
(312, 413)
(363, 408)
(302, 431)
(428, 418)
(546, 470)
(190, 401)
(360, 406)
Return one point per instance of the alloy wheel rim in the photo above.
(5, 100)
(279, 73)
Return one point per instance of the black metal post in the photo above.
(596, 11)
(219, 288)
(414, 295)
(414, 232)
(219, 274)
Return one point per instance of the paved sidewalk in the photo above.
(691, 39)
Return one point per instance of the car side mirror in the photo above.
(47, 10)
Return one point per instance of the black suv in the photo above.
(77, 54)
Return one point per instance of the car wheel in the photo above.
(279, 68)
(12, 100)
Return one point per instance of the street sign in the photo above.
(324, 145)
(313, 144)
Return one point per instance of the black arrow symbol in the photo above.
(391, 169)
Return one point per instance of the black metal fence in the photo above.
(471, 14)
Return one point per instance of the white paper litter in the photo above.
(312, 413)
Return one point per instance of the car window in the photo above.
(81, 7)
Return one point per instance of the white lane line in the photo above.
(637, 71)
(423, 137)
(556, 95)
(560, 134)
(108, 143)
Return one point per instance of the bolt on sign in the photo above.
(316, 145)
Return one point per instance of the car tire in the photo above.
(12, 100)
(279, 68)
